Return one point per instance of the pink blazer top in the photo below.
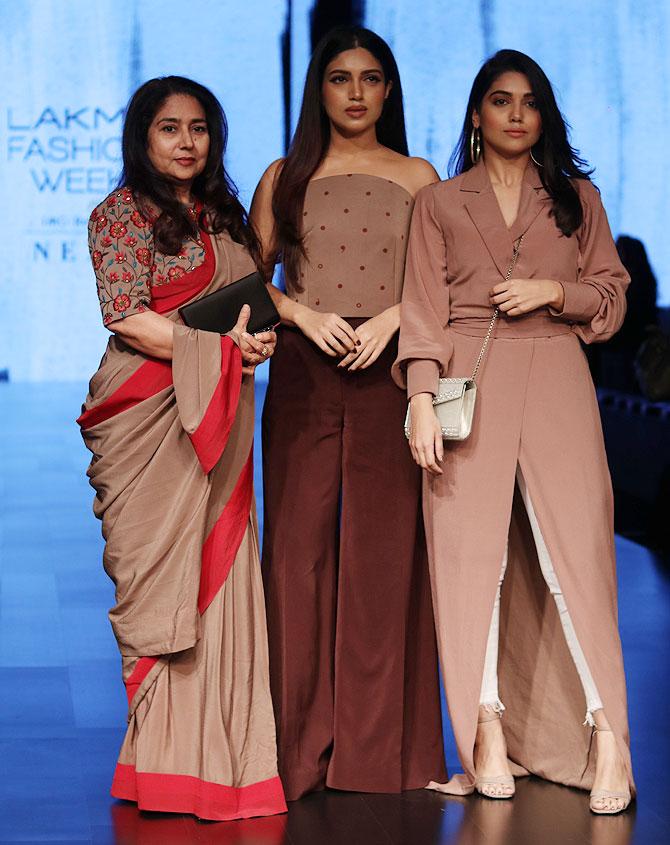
(460, 247)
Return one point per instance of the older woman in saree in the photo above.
(169, 420)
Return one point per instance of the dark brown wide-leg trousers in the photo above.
(353, 663)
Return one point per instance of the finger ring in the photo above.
(265, 351)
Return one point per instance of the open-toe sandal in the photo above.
(598, 797)
(494, 786)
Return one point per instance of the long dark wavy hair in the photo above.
(214, 189)
(560, 161)
(312, 136)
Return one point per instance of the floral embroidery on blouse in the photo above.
(124, 259)
(167, 268)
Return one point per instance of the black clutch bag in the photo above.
(218, 311)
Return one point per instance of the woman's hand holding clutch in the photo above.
(254, 348)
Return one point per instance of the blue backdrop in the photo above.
(68, 69)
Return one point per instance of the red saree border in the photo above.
(205, 799)
(148, 380)
(167, 298)
(142, 668)
(223, 541)
(210, 437)
(218, 556)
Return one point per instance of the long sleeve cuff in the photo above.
(422, 377)
(582, 302)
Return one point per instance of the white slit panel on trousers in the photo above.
(490, 696)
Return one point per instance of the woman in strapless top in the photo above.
(352, 651)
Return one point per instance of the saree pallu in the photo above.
(173, 474)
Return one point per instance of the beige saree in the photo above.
(173, 475)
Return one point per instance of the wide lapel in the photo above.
(533, 200)
(482, 206)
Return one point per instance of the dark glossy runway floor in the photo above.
(62, 705)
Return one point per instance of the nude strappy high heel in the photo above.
(603, 794)
(489, 786)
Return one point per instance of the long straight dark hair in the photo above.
(214, 189)
(560, 162)
(312, 136)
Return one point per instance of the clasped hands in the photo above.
(358, 348)
(520, 296)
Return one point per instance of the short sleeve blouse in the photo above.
(126, 265)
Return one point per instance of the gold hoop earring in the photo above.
(475, 144)
(535, 161)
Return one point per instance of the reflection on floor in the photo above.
(62, 706)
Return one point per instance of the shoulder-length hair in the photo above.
(215, 190)
(560, 162)
(312, 136)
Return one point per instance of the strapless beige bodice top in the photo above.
(355, 228)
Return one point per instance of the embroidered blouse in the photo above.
(127, 266)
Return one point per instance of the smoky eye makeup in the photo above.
(367, 76)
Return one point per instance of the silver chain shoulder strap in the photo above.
(508, 276)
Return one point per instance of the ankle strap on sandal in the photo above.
(488, 716)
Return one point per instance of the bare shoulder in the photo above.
(421, 173)
(261, 204)
(411, 172)
(272, 171)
